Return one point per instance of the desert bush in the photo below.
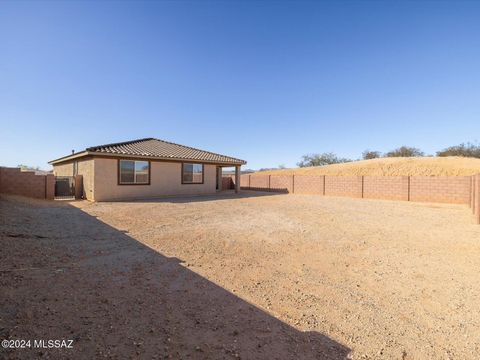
(368, 154)
(321, 159)
(467, 150)
(405, 151)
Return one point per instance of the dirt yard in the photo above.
(258, 276)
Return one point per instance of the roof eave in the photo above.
(96, 153)
(69, 157)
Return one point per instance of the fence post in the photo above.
(408, 188)
(472, 193)
(362, 184)
(324, 184)
(293, 184)
(477, 199)
(249, 182)
(269, 179)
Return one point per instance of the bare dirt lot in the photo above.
(256, 276)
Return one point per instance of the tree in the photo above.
(321, 159)
(405, 151)
(282, 166)
(367, 154)
(467, 150)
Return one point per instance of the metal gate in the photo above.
(65, 187)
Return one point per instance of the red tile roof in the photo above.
(155, 148)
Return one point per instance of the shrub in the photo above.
(321, 159)
(467, 150)
(405, 151)
(367, 154)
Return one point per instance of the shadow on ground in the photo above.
(66, 275)
(224, 195)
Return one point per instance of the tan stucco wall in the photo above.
(63, 169)
(85, 168)
(165, 180)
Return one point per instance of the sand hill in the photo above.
(420, 166)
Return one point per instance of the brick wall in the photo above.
(308, 184)
(350, 186)
(260, 182)
(281, 183)
(13, 181)
(244, 181)
(386, 187)
(445, 189)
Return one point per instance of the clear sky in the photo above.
(265, 81)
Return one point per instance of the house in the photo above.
(146, 168)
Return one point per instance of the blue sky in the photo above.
(263, 81)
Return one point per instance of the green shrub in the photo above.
(467, 150)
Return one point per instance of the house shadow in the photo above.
(118, 298)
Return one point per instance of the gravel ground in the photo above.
(256, 276)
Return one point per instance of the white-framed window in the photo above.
(133, 172)
(192, 173)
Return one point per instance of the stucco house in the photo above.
(146, 168)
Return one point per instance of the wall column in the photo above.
(78, 186)
(477, 199)
(237, 178)
(49, 187)
(219, 178)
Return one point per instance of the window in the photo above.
(192, 174)
(134, 172)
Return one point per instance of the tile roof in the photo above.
(155, 148)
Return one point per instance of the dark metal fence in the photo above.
(64, 187)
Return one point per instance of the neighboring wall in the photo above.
(227, 183)
(13, 181)
(165, 180)
(445, 189)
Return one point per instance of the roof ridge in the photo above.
(91, 148)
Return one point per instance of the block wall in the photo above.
(260, 182)
(303, 184)
(444, 189)
(25, 183)
(244, 181)
(350, 186)
(386, 187)
(281, 183)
